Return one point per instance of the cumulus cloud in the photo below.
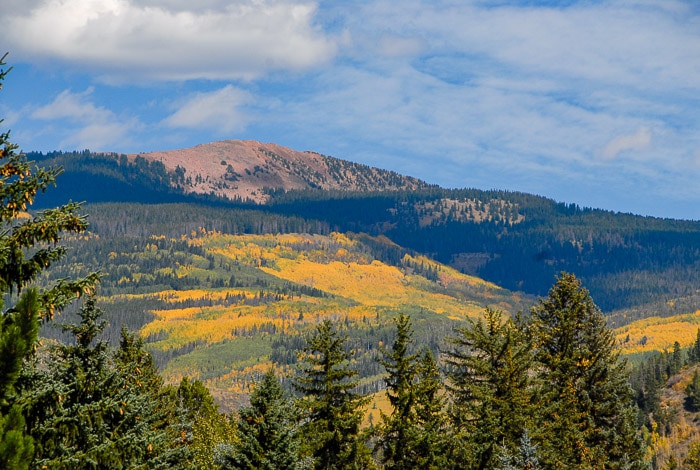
(641, 140)
(219, 109)
(124, 40)
(94, 127)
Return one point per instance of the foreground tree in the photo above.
(28, 245)
(90, 409)
(412, 435)
(267, 431)
(332, 407)
(399, 431)
(525, 458)
(588, 417)
(488, 368)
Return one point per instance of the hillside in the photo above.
(632, 265)
(220, 306)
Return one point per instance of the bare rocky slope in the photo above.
(249, 170)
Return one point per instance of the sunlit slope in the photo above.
(266, 292)
(658, 333)
(339, 266)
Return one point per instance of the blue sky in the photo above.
(591, 102)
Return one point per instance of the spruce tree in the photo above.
(399, 432)
(692, 392)
(333, 408)
(88, 409)
(694, 352)
(587, 414)
(412, 436)
(524, 459)
(430, 450)
(267, 431)
(28, 245)
(488, 371)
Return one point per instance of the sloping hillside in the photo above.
(221, 307)
(518, 241)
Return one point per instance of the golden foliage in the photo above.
(658, 334)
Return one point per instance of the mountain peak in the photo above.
(248, 170)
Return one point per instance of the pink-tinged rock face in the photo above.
(241, 169)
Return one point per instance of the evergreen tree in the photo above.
(412, 436)
(430, 450)
(588, 418)
(692, 392)
(488, 368)
(333, 408)
(525, 459)
(399, 431)
(152, 404)
(88, 410)
(28, 245)
(694, 352)
(676, 362)
(268, 432)
(18, 333)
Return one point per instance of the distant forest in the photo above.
(516, 240)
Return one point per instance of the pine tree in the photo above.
(268, 432)
(28, 245)
(588, 418)
(430, 450)
(692, 392)
(398, 433)
(488, 367)
(694, 352)
(333, 408)
(90, 410)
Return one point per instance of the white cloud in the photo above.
(92, 127)
(639, 141)
(73, 106)
(219, 110)
(126, 41)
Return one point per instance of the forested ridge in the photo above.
(262, 336)
(518, 241)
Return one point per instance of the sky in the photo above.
(590, 102)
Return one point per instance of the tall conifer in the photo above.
(333, 408)
(588, 418)
(268, 432)
(488, 367)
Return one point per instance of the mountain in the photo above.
(631, 264)
(249, 170)
(232, 170)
